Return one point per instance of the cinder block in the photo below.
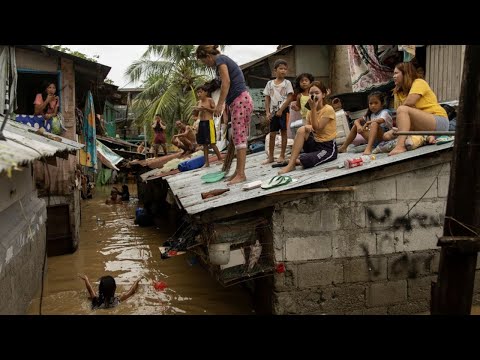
(320, 273)
(443, 183)
(420, 288)
(352, 244)
(386, 217)
(412, 185)
(310, 222)
(283, 303)
(378, 190)
(365, 269)
(382, 310)
(427, 214)
(417, 307)
(389, 242)
(410, 265)
(422, 239)
(435, 265)
(351, 218)
(386, 293)
(308, 248)
(354, 312)
(342, 298)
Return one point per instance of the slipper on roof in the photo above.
(213, 177)
(276, 181)
(282, 164)
(444, 139)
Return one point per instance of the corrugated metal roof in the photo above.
(20, 144)
(188, 186)
(256, 61)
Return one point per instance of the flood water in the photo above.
(114, 246)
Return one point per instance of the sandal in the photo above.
(276, 181)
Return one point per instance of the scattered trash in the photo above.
(212, 193)
(280, 268)
(160, 285)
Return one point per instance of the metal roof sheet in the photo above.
(23, 145)
(188, 186)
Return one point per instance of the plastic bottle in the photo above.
(351, 163)
(367, 158)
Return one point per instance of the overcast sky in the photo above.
(119, 57)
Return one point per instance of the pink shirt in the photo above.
(51, 106)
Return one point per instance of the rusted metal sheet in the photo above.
(23, 145)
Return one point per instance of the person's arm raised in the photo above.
(130, 292)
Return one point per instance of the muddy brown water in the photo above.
(115, 246)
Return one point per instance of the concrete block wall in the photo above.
(370, 251)
(22, 249)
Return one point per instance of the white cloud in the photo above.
(119, 57)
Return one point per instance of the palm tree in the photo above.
(169, 81)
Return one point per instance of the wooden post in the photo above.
(452, 294)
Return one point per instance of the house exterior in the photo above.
(74, 77)
(443, 65)
(24, 221)
(334, 240)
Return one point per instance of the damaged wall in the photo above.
(22, 241)
(356, 253)
(340, 79)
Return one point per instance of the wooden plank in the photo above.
(310, 191)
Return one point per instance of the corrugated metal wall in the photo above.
(444, 67)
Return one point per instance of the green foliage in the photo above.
(169, 75)
(74, 53)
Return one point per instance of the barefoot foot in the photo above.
(237, 179)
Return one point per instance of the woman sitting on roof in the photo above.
(416, 104)
(317, 137)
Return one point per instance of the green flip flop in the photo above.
(276, 181)
(213, 177)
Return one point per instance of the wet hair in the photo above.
(380, 96)
(279, 62)
(409, 73)
(106, 292)
(299, 78)
(205, 88)
(212, 85)
(204, 50)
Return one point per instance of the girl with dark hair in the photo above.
(373, 125)
(106, 292)
(46, 103)
(317, 137)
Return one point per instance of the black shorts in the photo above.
(316, 153)
(206, 133)
(279, 122)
